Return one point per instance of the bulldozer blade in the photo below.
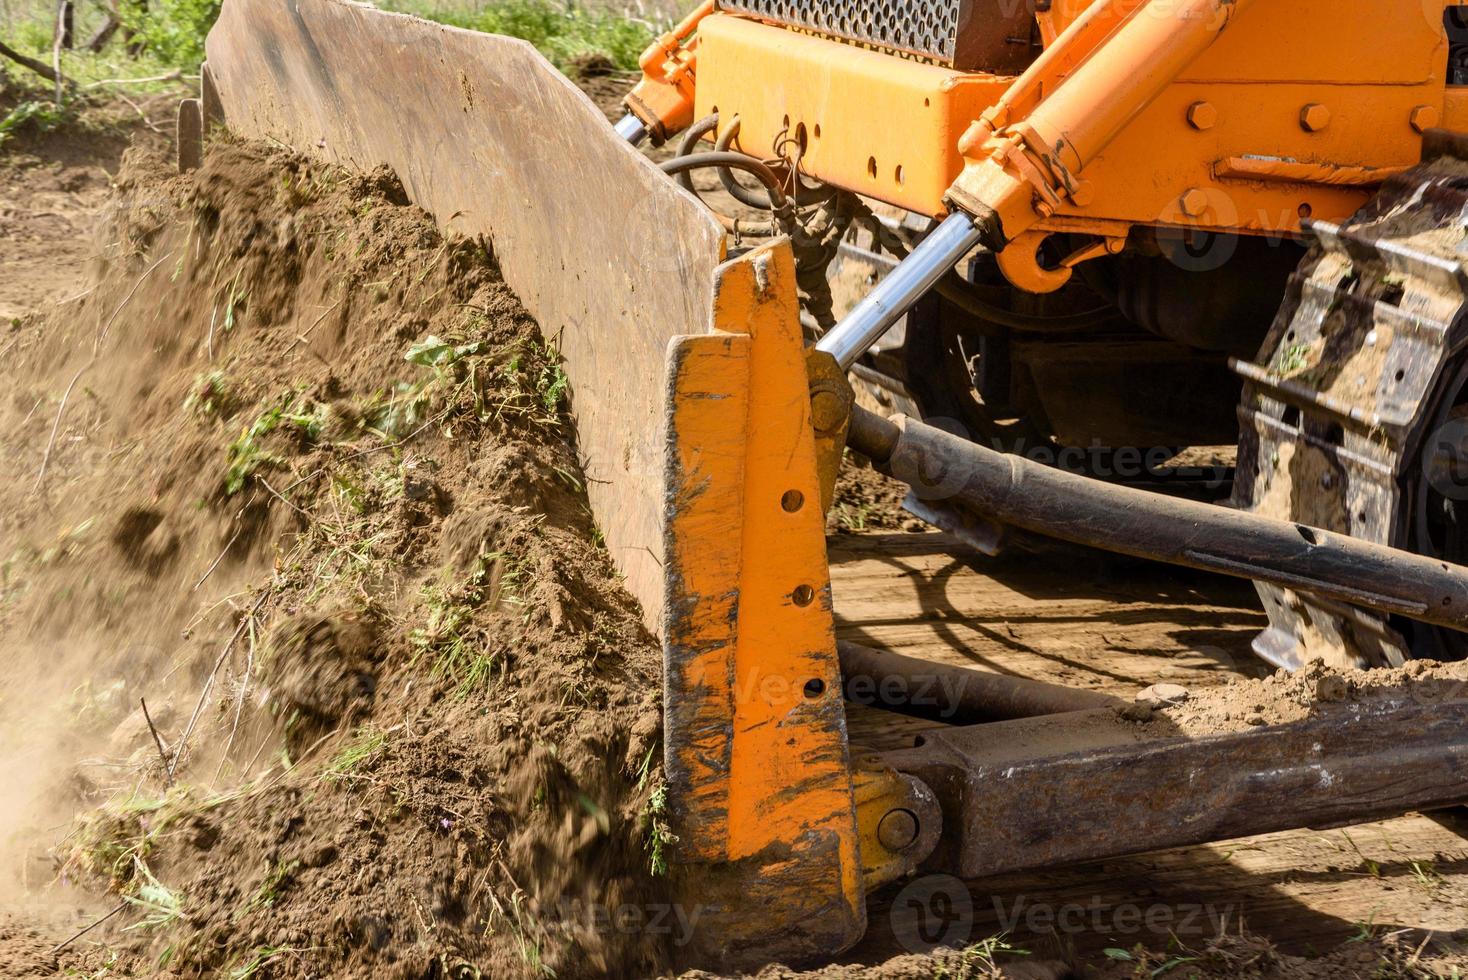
(690, 394)
(611, 257)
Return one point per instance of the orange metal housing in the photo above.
(1296, 111)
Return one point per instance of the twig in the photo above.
(271, 490)
(141, 114)
(172, 76)
(56, 43)
(56, 423)
(97, 345)
(239, 705)
(167, 772)
(67, 942)
(183, 739)
(232, 539)
(302, 338)
(96, 349)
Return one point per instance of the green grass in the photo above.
(170, 34)
(565, 33)
(368, 742)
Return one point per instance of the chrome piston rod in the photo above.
(903, 287)
(630, 128)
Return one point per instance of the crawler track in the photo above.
(1348, 417)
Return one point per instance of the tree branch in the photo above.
(39, 67)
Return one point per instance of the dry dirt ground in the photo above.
(288, 465)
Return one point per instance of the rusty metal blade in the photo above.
(610, 257)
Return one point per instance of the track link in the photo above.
(1346, 401)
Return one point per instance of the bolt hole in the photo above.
(900, 175)
(1305, 212)
(800, 139)
(1400, 375)
(817, 131)
(926, 103)
(815, 687)
(792, 501)
(1308, 534)
(919, 741)
(872, 167)
(803, 595)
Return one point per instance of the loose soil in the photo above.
(296, 471)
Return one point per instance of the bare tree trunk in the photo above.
(104, 34)
(62, 8)
(135, 47)
(66, 24)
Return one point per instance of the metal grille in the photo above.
(924, 27)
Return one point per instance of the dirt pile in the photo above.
(296, 471)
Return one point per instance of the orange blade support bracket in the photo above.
(760, 786)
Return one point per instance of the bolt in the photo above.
(827, 410)
(1314, 117)
(898, 830)
(1202, 115)
(1194, 203)
(1425, 117)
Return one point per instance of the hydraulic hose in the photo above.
(734, 161)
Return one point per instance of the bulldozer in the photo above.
(1110, 230)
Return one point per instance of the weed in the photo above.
(259, 958)
(368, 743)
(440, 355)
(275, 882)
(526, 929)
(1294, 359)
(210, 395)
(43, 115)
(853, 518)
(977, 960)
(659, 838)
(248, 454)
(161, 905)
(1372, 868)
(1426, 875)
(460, 648)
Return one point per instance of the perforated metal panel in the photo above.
(987, 35)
